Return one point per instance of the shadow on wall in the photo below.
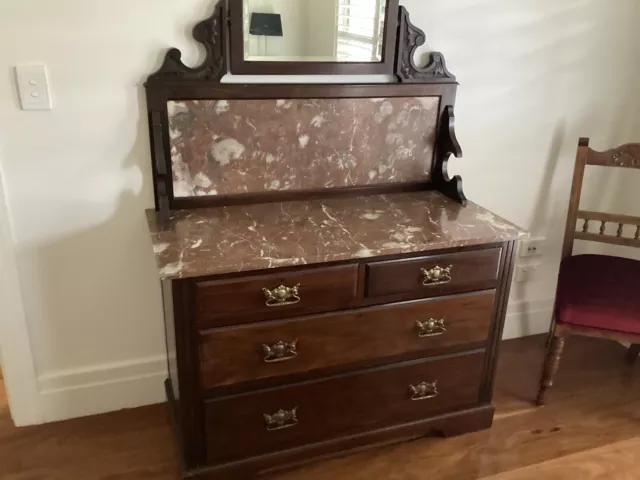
(544, 212)
(97, 289)
(536, 76)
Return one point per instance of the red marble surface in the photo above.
(255, 237)
(225, 147)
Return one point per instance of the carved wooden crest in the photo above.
(410, 38)
(210, 33)
(626, 156)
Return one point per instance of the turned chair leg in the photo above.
(632, 353)
(551, 363)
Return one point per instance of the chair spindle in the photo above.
(620, 227)
(637, 237)
(585, 227)
(602, 227)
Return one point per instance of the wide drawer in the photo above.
(434, 275)
(276, 419)
(279, 295)
(418, 328)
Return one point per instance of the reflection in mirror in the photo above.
(314, 30)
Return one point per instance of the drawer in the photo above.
(281, 295)
(434, 275)
(271, 420)
(411, 329)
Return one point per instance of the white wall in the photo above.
(535, 75)
(321, 28)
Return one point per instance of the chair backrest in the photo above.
(625, 156)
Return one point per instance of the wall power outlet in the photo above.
(533, 247)
(526, 272)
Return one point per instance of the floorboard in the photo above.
(591, 427)
(4, 401)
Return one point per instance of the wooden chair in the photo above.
(597, 295)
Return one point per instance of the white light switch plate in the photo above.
(33, 87)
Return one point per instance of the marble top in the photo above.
(220, 240)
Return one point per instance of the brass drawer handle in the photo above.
(280, 352)
(424, 391)
(431, 328)
(436, 276)
(281, 296)
(281, 419)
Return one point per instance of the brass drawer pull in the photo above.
(281, 296)
(436, 276)
(281, 419)
(424, 391)
(280, 352)
(431, 328)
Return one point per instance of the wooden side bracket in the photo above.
(446, 145)
(162, 175)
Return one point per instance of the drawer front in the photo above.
(263, 422)
(419, 328)
(265, 297)
(434, 275)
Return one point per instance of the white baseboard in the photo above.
(90, 391)
(106, 388)
(528, 318)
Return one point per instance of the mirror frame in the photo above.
(240, 66)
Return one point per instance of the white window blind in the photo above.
(360, 29)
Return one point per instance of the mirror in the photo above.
(346, 31)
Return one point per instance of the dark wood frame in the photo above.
(239, 66)
(189, 422)
(625, 156)
(176, 81)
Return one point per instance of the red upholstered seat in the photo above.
(599, 291)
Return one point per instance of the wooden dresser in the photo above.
(326, 285)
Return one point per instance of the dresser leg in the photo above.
(551, 363)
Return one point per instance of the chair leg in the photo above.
(551, 363)
(632, 353)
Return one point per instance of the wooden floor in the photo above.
(590, 430)
(4, 402)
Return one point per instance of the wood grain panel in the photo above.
(339, 406)
(477, 270)
(236, 301)
(234, 355)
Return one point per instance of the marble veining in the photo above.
(221, 240)
(230, 147)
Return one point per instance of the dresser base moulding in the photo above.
(447, 425)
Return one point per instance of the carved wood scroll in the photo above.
(410, 38)
(209, 33)
(446, 145)
(626, 156)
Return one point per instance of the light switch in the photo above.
(33, 87)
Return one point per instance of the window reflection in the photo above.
(314, 30)
(360, 30)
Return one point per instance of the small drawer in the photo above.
(266, 297)
(434, 275)
(406, 330)
(262, 422)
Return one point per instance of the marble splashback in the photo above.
(229, 147)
